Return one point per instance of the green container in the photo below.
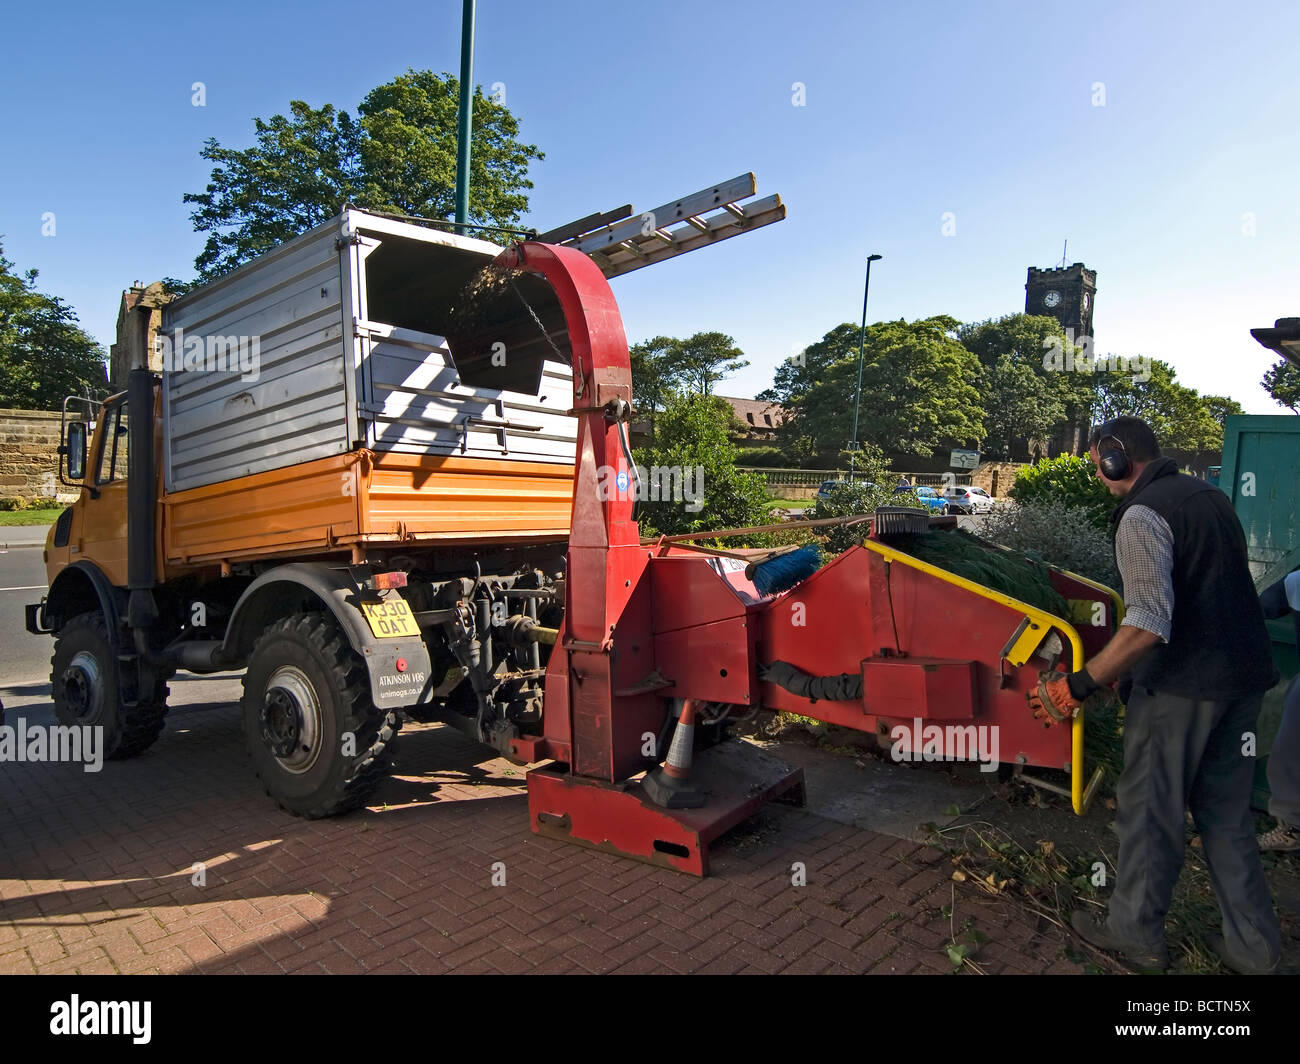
(1261, 475)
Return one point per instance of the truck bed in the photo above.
(364, 498)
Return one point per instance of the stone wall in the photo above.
(29, 458)
(996, 477)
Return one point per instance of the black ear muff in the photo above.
(1114, 465)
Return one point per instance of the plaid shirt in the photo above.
(1144, 552)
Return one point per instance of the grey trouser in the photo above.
(1180, 753)
(1284, 761)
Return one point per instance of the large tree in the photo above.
(1181, 418)
(919, 390)
(1029, 392)
(397, 156)
(44, 354)
(1282, 382)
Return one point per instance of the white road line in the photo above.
(32, 587)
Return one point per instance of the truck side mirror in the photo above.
(75, 448)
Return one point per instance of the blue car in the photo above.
(930, 499)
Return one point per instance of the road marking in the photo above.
(32, 587)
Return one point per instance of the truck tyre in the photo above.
(90, 688)
(318, 743)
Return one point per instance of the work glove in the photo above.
(1060, 695)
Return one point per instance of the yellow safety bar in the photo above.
(1042, 617)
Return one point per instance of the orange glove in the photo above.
(1054, 696)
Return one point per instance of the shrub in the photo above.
(1064, 536)
(692, 433)
(1067, 482)
(850, 500)
(10, 503)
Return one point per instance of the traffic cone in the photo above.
(669, 786)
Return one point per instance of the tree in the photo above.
(699, 457)
(1282, 382)
(918, 390)
(1020, 403)
(44, 354)
(398, 157)
(652, 376)
(700, 361)
(1048, 403)
(1180, 417)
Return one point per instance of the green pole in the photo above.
(862, 339)
(465, 128)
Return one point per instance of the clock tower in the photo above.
(1066, 293)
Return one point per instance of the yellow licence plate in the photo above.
(391, 618)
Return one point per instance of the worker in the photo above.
(903, 482)
(1279, 600)
(1195, 660)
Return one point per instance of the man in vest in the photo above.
(1195, 660)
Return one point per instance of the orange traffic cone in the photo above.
(669, 786)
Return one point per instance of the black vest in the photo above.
(1219, 648)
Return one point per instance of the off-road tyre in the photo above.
(91, 687)
(305, 691)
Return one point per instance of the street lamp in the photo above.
(862, 339)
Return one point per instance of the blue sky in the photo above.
(1180, 191)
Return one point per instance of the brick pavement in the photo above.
(97, 876)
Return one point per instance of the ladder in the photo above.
(622, 240)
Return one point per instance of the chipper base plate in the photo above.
(736, 778)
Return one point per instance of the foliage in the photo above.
(1020, 402)
(918, 390)
(663, 365)
(852, 500)
(1282, 382)
(1065, 536)
(763, 457)
(44, 353)
(695, 430)
(966, 555)
(1023, 398)
(397, 156)
(1181, 418)
(1065, 482)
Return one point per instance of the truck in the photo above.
(384, 471)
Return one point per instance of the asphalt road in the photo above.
(23, 657)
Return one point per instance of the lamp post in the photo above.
(862, 339)
(465, 123)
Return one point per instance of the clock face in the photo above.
(1052, 299)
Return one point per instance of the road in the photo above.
(24, 658)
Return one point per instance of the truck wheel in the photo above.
(91, 689)
(318, 743)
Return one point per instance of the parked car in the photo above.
(930, 498)
(968, 500)
(824, 492)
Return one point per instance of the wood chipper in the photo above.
(385, 471)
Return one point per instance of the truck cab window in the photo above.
(112, 455)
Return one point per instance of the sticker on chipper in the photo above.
(391, 618)
(621, 480)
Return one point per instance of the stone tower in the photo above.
(1066, 293)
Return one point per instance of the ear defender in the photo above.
(1114, 465)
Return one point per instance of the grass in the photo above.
(790, 504)
(29, 517)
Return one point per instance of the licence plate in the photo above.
(391, 618)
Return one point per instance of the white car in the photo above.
(968, 500)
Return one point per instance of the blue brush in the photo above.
(785, 570)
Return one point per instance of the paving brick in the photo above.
(407, 889)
